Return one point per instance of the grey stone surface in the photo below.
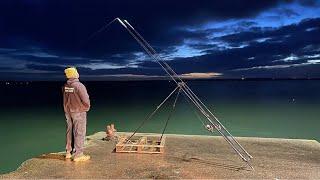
(185, 157)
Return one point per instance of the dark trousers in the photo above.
(76, 132)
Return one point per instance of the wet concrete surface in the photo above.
(185, 156)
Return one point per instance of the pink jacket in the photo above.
(75, 97)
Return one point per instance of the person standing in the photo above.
(76, 104)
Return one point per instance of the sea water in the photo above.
(32, 119)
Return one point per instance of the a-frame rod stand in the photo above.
(153, 113)
(210, 118)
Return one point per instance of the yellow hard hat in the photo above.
(71, 72)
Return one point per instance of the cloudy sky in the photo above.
(199, 39)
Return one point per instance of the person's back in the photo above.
(76, 103)
(75, 96)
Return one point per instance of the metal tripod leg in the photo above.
(152, 113)
(171, 112)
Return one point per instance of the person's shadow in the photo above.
(58, 156)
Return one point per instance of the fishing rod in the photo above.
(191, 94)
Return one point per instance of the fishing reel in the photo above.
(211, 128)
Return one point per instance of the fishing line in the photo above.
(100, 30)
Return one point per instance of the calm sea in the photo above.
(32, 120)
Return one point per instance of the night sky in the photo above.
(199, 39)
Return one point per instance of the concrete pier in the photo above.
(185, 156)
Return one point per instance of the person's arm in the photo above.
(84, 95)
(63, 99)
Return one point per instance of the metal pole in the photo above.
(151, 114)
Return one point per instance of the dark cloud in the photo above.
(64, 25)
(255, 33)
(309, 2)
(46, 36)
(267, 53)
(100, 72)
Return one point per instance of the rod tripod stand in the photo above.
(181, 88)
(210, 121)
(178, 90)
